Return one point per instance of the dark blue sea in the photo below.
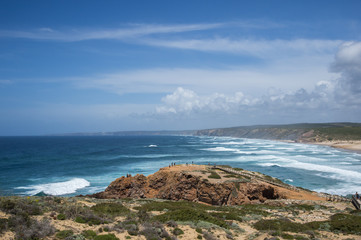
(82, 165)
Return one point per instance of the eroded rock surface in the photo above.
(185, 185)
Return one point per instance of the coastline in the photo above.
(352, 145)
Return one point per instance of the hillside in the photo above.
(308, 133)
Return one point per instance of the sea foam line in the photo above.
(58, 188)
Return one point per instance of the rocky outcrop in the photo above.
(179, 185)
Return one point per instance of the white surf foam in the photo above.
(220, 149)
(153, 145)
(58, 188)
(341, 189)
(269, 165)
(342, 173)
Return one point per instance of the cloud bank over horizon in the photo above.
(333, 97)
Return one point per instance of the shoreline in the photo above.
(352, 145)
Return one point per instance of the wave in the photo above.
(341, 189)
(220, 149)
(269, 165)
(57, 188)
(153, 145)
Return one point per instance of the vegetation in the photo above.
(321, 131)
(112, 209)
(161, 219)
(214, 175)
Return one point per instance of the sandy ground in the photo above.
(348, 145)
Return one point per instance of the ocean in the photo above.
(69, 166)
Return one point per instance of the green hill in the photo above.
(302, 132)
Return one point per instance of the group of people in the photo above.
(129, 175)
(173, 164)
(357, 196)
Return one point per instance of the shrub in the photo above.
(80, 219)
(287, 236)
(199, 230)
(106, 237)
(191, 215)
(280, 225)
(199, 237)
(154, 231)
(89, 234)
(113, 209)
(178, 231)
(61, 216)
(346, 223)
(3, 224)
(208, 236)
(7, 205)
(171, 206)
(20, 206)
(143, 216)
(172, 223)
(64, 234)
(132, 229)
(214, 175)
(26, 228)
(90, 218)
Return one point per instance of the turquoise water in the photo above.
(82, 165)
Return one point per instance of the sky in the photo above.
(99, 66)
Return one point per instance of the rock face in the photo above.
(178, 185)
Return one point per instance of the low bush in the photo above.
(280, 225)
(89, 234)
(209, 236)
(61, 216)
(154, 231)
(106, 237)
(64, 234)
(178, 231)
(26, 228)
(346, 223)
(171, 205)
(90, 218)
(172, 223)
(214, 175)
(20, 206)
(192, 215)
(3, 224)
(112, 209)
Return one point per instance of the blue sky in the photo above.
(93, 66)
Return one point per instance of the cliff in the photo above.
(200, 183)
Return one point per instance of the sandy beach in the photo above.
(347, 145)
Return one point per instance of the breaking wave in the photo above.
(57, 188)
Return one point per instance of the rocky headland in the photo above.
(205, 184)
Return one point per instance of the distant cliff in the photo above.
(317, 132)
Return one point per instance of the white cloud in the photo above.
(348, 63)
(131, 31)
(3, 81)
(291, 74)
(258, 48)
(184, 101)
